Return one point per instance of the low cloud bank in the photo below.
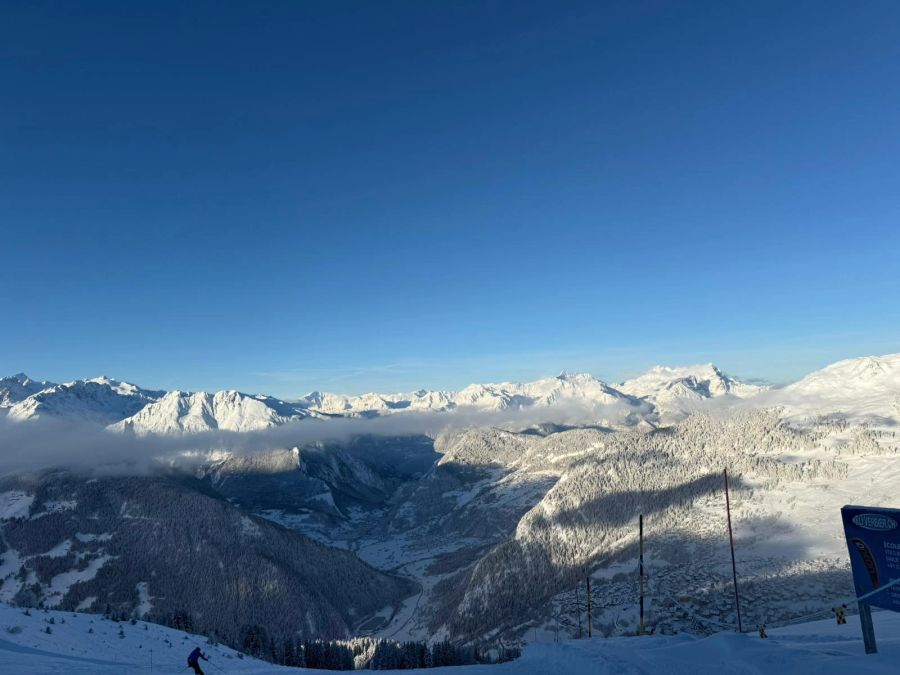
(47, 443)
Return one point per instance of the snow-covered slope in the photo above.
(18, 387)
(182, 412)
(859, 388)
(671, 388)
(100, 400)
(50, 642)
(86, 644)
(154, 546)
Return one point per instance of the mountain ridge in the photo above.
(668, 391)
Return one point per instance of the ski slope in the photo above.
(116, 648)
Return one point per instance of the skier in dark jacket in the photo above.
(194, 660)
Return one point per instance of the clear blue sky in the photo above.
(286, 196)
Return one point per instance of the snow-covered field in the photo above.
(86, 643)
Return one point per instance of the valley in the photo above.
(482, 530)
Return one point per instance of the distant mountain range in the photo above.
(125, 406)
(866, 384)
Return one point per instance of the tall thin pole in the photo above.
(578, 606)
(737, 602)
(590, 617)
(641, 565)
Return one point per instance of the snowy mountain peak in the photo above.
(581, 387)
(18, 387)
(121, 387)
(100, 400)
(866, 383)
(865, 386)
(669, 387)
(183, 412)
(863, 369)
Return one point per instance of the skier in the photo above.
(194, 660)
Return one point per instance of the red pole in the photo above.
(737, 602)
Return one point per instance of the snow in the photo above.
(61, 583)
(181, 412)
(823, 646)
(863, 388)
(15, 504)
(675, 392)
(869, 385)
(84, 538)
(70, 648)
(85, 604)
(60, 550)
(18, 387)
(99, 400)
(10, 563)
(701, 381)
(55, 507)
(249, 528)
(806, 530)
(145, 603)
(551, 391)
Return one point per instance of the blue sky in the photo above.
(352, 196)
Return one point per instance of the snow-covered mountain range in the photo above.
(100, 400)
(127, 407)
(547, 392)
(864, 386)
(667, 386)
(16, 388)
(496, 524)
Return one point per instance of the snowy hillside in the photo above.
(100, 400)
(43, 642)
(861, 388)
(87, 644)
(181, 412)
(164, 546)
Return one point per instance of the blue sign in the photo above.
(873, 537)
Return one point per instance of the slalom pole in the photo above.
(578, 606)
(641, 565)
(590, 618)
(737, 601)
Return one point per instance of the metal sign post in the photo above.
(868, 628)
(873, 540)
